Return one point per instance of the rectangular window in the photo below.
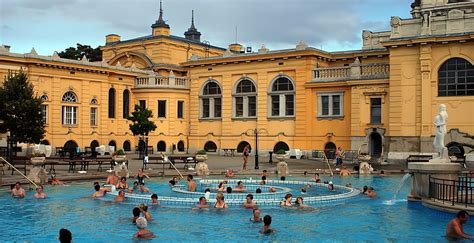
(217, 107)
(161, 108)
(239, 106)
(289, 105)
(252, 106)
(275, 105)
(142, 103)
(69, 115)
(44, 112)
(205, 108)
(330, 104)
(375, 111)
(325, 105)
(93, 116)
(180, 109)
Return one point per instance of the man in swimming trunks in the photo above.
(455, 230)
(18, 191)
(112, 179)
(267, 221)
(240, 187)
(99, 191)
(39, 193)
(344, 172)
(256, 216)
(191, 183)
(249, 203)
(120, 197)
(202, 203)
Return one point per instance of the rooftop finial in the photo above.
(160, 22)
(192, 19)
(161, 13)
(192, 33)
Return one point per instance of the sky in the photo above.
(332, 25)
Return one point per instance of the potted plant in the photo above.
(201, 155)
(37, 159)
(281, 155)
(120, 156)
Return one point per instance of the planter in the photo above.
(201, 157)
(281, 157)
(119, 158)
(37, 161)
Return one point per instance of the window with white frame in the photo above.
(69, 108)
(282, 98)
(330, 105)
(211, 100)
(245, 99)
(44, 112)
(93, 116)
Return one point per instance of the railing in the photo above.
(19, 172)
(458, 192)
(355, 71)
(157, 81)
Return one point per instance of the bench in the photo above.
(229, 152)
(20, 162)
(419, 158)
(298, 154)
(185, 159)
(154, 160)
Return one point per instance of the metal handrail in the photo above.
(452, 191)
(165, 158)
(28, 179)
(327, 161)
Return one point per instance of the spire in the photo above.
(160, 22)
(192, 33)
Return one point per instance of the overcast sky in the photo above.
(332, 25)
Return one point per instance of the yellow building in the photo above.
(384, 95)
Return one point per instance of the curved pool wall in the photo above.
(269, 199)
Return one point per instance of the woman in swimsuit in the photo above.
(123, 184)
(141, 177)
(287, 201)
(221, 187)
(220, 203)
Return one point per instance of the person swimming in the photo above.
(220, 203)
(267, 221)
(256, 216)
(143, 233)
(287, 201)
(249, 202)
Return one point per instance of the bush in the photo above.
(120, 152)
(201, 152)
(281, 151)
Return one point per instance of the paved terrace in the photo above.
(217, 166)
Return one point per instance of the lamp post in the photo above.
(256, 131)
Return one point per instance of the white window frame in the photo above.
(70, 115)
(93, 116)
(282, 99)
(44, 111)
(212, 112)
(245, 100)
(330, 95)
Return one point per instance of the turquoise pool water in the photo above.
(357, 219)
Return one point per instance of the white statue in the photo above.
(440, 122)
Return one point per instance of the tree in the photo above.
(93, 54)
(20, 110)
(141, 126)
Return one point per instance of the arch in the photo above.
(126, 104)
(94, 144)
(281, 97)
(44, 98)
(455, 78)
(113, 143)
(455, 149)
(330, 150)
(181, 146)
(281, 145)
(111, 103)
(45, 142)
(210, 146)
(244, 98)
(211, 99)
(211, 87)
(141, 57)
(244, 85)
(161, 146)
(94, 101)
(241, 146)
(69, 97)
(375, 145)
(70, 146)
(281, 79)
(127, 147)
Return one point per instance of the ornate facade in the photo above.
(203, 96)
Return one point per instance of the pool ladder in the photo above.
(19, 172)
(329, 165)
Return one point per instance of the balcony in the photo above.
(161, 82)
(355, 71)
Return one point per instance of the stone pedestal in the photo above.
(421, 173)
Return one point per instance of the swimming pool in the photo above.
(91, 220)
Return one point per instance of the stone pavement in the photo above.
(217, 166)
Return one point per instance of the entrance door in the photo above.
(330, 150)
(375, 145)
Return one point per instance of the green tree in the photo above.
(93, 54)
(141, 125)
(20, 110)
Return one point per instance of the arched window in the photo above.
(44, 98)
(211, 100)
(161, 146)
(114, 144)
(210, 146)
(245, 99)
(456, 78)
(111, 103)
(70, 147)
(282, 97)
(280, 146)
(126, 146)
(126, 103)
(241, 146)
(181, 146)
(69, 108)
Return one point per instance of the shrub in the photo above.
(120, 152)
(281, 151)
(201, 152)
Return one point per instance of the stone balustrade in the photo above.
(158, 81)
(355, 71)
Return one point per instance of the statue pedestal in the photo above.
(38, 175)
(443, 159)
(421, 173)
